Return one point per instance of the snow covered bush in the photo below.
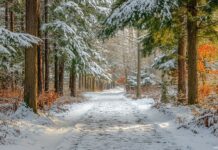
(146, 79)
(167, 63)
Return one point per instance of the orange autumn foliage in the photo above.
(121, 80)
(207, 53)
(47, 99)
(8, 93)
(213, 72)
(204, 91)
(216, 89)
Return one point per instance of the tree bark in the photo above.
(40, 63)
(46, 48)
(61, 76)
(22, 25)
(93, 84)
(31, 59)
(6, 15)
(138, 90)
(192, 52)
(80, 82)
(85, 82)
(13, 83)
(182, 47)
(56, 82)
(12, 21)
(73, 83)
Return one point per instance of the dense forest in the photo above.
(57, 54)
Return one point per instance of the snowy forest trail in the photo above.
(111, 121)
(108, 120)
(117, 123)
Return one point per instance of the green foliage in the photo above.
(73, 30)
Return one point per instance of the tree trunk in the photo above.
(80, 81)
(6, 15)
(164, 92)
(85, 82)
(61, 76)
(56, 83)
(73, 84)
(22, 26)
(138, 90)
(192, 52)
(12, 21)
(93, 84)
(90, 83)
(182, 46)
(46, 48)
(31, 59)
(40, 71)
(40, 63)
(13, 83)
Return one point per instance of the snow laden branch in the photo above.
(73, 32)
(60, 27)
(166, 62)
(134, 10)
(9, 40)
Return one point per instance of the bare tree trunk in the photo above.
(40, 63)
(90, 83)
(125, 71)
(61, 76)
(80, 82)
(182, 47)
(22, 25)
(73, 83)
(192, 52)
(6, 15)
(12, 29)
(85, 82)
(56, 82)
(93, 84)
(12, 21)
(31, 59)
(164, 92)
(138, 90)
(46, 48)
(40, 72)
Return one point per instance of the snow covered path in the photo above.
(116, 123)
(112, 122)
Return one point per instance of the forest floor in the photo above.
(107, 120)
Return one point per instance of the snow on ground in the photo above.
(108, 120)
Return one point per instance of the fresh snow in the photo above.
(107, 120)
(131, 8)
(9, 40)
